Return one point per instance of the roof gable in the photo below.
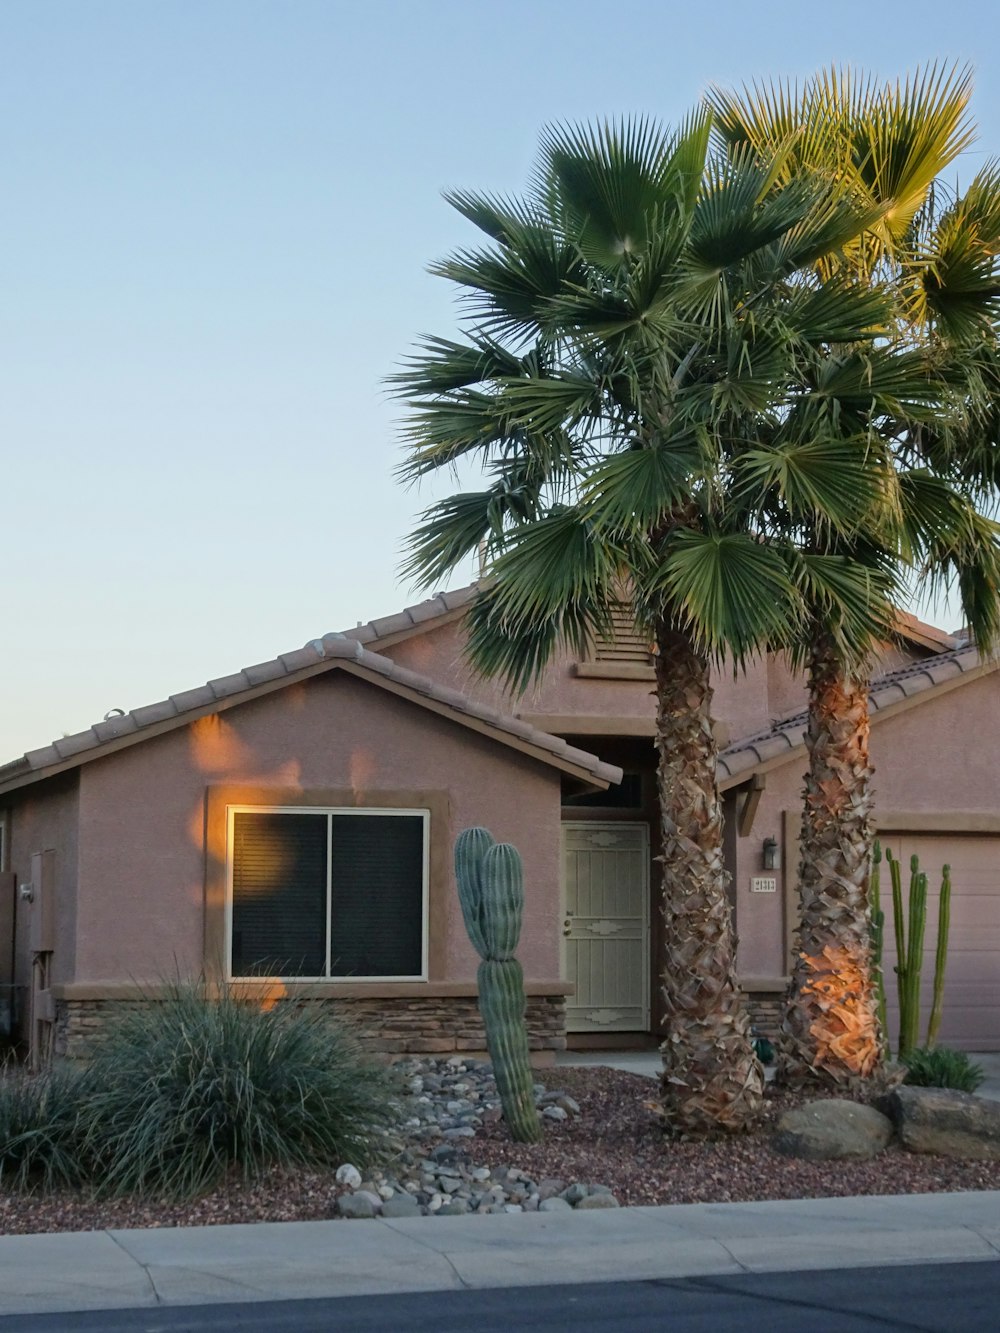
(332, 652)
(786, 738)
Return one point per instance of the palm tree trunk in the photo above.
(712, 1081)
(830, 1032)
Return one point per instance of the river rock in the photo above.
(940, 1120)
(348, 1175)
(600, 1200)
(553, 1204)
(832, 1129)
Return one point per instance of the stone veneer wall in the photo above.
(414, 1025)
(765, 1008)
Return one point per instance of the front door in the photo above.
(606, 926)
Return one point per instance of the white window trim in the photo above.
(374, 812)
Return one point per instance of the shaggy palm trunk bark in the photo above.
(712, 1081)
(830, 1032)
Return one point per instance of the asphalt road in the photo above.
(940, 1298)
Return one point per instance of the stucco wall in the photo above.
(44, 818)
(142, 816)
(939, 755)
(741, 700)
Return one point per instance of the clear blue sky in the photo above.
(216, 220)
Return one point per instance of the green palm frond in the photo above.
(854, 600)
(633, 492)
(444, 365)
(556, 583)
(827, 483)
(730, 592)
(611, 185)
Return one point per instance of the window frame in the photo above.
(330, 811)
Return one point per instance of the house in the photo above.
(295, 822)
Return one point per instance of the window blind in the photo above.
(295, 874)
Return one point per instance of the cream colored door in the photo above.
(606, 926)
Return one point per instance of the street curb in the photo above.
(76, 1271)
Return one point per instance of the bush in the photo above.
(186, 1089)
(41, 1128)
(939, 1067)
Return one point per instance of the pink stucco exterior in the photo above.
(142, 816)
(137, 851)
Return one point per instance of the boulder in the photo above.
(827, 1130)
(597, 1201)
(940, 1120)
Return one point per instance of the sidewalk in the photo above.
(289, 1260)
(648, 1063)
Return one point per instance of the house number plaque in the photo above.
(763, 884)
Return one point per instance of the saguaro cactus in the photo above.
(491, 892)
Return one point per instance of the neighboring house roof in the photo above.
(332, 652)
(888, 693)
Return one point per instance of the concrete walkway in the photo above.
(648, 1063)
(293, 1260)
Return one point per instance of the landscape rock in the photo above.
(355, 1206)
(553, 1204)
(940, 1120)
(456, 1208)
(574, 1193)
(832, 1129)
(401, 1205)
(348, 1175)
(599, 1200)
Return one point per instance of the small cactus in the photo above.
(491, 893)
(910, 950)
(878, 940)
(940, 958)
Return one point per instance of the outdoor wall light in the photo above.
(772, 854)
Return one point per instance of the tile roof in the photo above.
(411, 619)
(329, 652)
(788, 734)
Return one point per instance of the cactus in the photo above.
(910, 950)
(940, 957)
(878, 941)
(909, 1023)
(491, 892)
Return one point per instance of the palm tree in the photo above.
(887, 147)
(641, 325)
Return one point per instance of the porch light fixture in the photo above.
(772, 854)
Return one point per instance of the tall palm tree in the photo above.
(887, 146)
(640, 324)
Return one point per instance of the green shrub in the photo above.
(41, 1128)
(187, 1089)
(939, 1067)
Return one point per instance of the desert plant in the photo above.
(941, 1067)
(491, 892)
(878, 940)
(40, 1128)
(190, 1087)
(909, 924)
(940, 956)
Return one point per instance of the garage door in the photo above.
(971, 1017)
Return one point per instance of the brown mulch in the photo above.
(617, 1141)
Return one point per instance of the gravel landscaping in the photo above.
(603, 1147)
